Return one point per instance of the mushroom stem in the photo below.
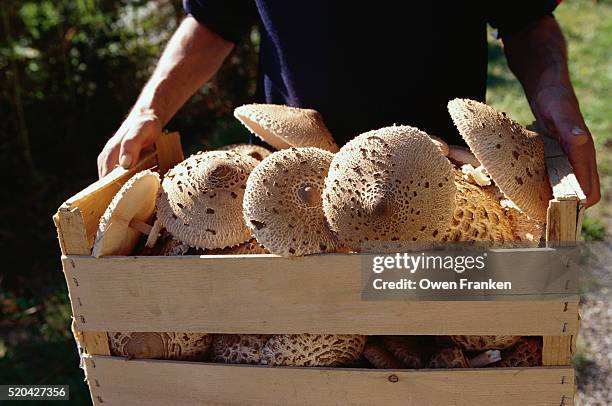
(153, 234)
(140, 226)
(486, 358)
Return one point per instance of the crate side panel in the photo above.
(267, 294)
(118, 381)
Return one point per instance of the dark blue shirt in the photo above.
(365, 65)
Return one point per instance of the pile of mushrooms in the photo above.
(388, 185)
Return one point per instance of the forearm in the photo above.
(191, 58)
(537, 55)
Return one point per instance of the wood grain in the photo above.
(169, 151)
(92, 201)
(269, 294)
(561, 224)
(558, 350)
(564, 184)
(146, 382)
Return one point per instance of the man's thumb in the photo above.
(131, 145)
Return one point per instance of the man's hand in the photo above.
(556, 109)
(192, 57)
(139, 131)
(538, 57)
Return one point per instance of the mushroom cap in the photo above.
(511, 154)
(410, 350)
(526, 230)
(452, 357)
(441, 144)
(254, 151)
(391, 184)
(282, 202)
(480, 343)
(200, 202)
(314, 350)
(135, 200)
(478, 216)
(238, 348)
(246, 248)
(460, 156)
(166, 346)
(284, 127)
(527, 352)
(379, 357)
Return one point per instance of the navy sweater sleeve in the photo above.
(230, 19)
(515, 15)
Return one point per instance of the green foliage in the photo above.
(593, 230)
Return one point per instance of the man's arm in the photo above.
(538, 57)
(192, 57)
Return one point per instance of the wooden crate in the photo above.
(316, 294)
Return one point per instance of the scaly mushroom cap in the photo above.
(527, 230)
(134, 201)
(282, 202)
(408, 349)
(238, 348)
(452, 357)
(478, 215)
(167, 346)
(284, 127)
(461, 156)
(511, 154)
(526, 353)
(391, 184)
(314, 350)
(480, 343)
(379, 357)
(200, 202)
(254, 151)
(246, 248)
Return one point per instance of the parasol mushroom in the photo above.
(392, 184)
(200, 202)
(315, 350)
(166, 346)
(282, 202)
(238, 348)
(512, 155)
(124, 220)
(284, 127)
(254, 151)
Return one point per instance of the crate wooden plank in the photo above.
(561, 224)
(169, 151)
(146, 382)
(91, 202)
(558, 350)
(560, 173)
(71, 231)
(269, 294)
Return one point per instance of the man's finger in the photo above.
(584, 164)
(131, 145)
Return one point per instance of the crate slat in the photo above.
(268, 294)
(116, 381)
(169, 151)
